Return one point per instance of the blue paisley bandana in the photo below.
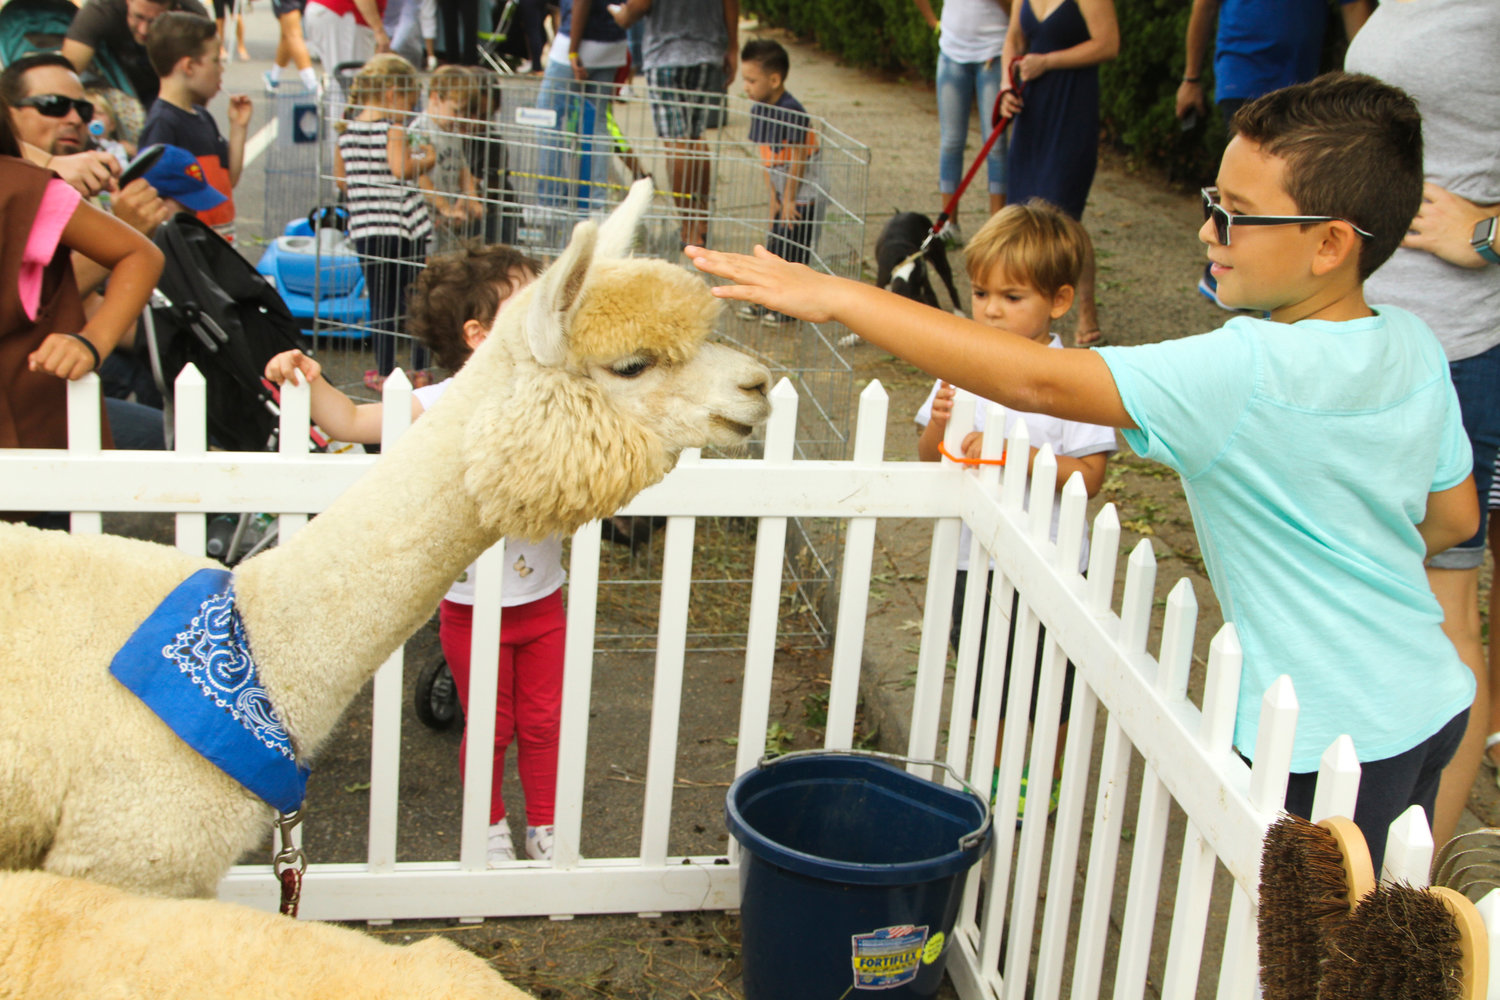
(189, 661)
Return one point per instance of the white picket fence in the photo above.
(1026, 898)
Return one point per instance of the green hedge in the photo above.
(1138, 89)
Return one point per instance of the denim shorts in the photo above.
(1477, 380)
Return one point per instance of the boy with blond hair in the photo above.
(1321, 448)
(1024, 265)
(184, 51)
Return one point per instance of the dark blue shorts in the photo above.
(1387, 788)
(1477, 380)
(281, 8)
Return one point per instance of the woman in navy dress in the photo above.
(1054, 141)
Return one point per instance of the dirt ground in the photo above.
(1149, 259)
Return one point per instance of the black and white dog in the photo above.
(899, 240)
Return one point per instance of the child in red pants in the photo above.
(453, 306)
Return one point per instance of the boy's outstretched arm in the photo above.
(1020, 373)
(1452, 517)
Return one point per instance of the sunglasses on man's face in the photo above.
(57, 106)
(1224, 222)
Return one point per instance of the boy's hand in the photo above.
(1444, 226)
(240, 109)
(768, 280)
(790, 212)
(62, 355)
(973, 444)
(292, 366)
(942, 404)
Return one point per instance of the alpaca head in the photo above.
(608, 354)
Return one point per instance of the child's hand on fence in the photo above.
(294, 367)
(767, 280)
(790, 212)
(65, 355)
(973, 444)
(942, 404)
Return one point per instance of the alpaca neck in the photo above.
(325, 609)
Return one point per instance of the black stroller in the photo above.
(213, 310)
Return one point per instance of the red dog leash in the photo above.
(999, 124)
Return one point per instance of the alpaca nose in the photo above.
(758, 382)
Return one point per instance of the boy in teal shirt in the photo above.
(1321, 450)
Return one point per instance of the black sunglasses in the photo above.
(1224, 222)
(56, 105)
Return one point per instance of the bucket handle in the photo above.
(965, 842)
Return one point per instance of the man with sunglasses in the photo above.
(50, 117)
(119, 27)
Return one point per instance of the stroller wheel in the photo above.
(436, 698)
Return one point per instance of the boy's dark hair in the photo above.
(768, 54)
(1353, 150)
(458, 287)
(177, 35)
(1037, 243)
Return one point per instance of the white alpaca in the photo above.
(66, 937)
(584, 393)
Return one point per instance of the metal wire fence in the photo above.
(521, 163)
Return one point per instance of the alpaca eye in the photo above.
(631, 367)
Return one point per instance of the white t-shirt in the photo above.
(533, 570)
(973, 30)
(1067, 437)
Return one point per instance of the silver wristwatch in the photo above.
(1485, 233)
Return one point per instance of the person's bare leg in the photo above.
(292, 42)
(1087, 331)
(997, 202)
(239, 38)
(1457, 591)
(688, 168)
(1494, 651)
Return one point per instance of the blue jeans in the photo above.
(575, 161)
(135, 427)
(958, 86)
(1477, 380)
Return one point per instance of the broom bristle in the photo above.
(1400, 944)
(1303, 896)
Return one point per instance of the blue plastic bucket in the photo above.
(851, 874)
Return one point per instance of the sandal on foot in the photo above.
(374, 381)
(1490, 742)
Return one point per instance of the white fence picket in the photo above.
(190, 434)
(765, 594)
(85, 437)
(854, 579)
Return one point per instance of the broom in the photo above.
(1408, 944)
(1311, 877)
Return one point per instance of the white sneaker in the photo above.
(539, 842)
(499, 848)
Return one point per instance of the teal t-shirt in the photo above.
(1307, 452)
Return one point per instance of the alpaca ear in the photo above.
(556, 298)
(617, 234)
